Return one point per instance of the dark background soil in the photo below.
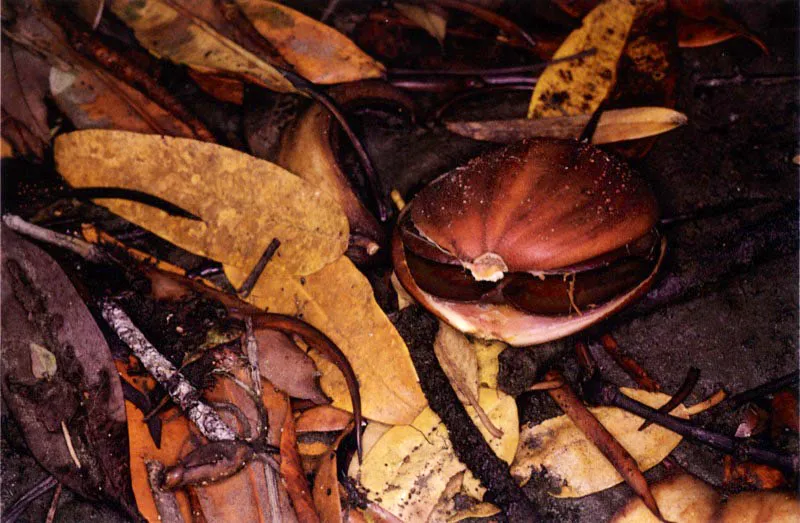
(740, 330)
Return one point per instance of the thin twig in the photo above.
(605, 442)
(51, 512)
(70, 447)
(685, 389)
(82, 248)
(248, 284)
(166, 502)
(790, 380)
(629, 365)
(165, 373)
(604, 393)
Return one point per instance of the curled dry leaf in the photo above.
(94, 99)
(220, 87)
(681, 499)
(173, 33)
(579, 86)
(430, 17)
(410, 466)
(322, 419)
(74, 412)
(317, 52)
(481, 510)
(559, 447)
(613, 126)
(459, 362)
(338, 301)
(292, 471)
(760, 507)
(447, 501)
(326, 483)
(244, 202)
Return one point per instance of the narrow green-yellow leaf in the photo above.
(579, 86)
(244, 202)
(318, 52)
(558, 447)
(177, 35)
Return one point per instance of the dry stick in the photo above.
(685, 389)
(419, 328)
(604, 393)
(499, 21)
(166, 501)
(625, 464)
(251, 350)
(51, 512)
(21, 505)
(767, 388)
(82, 248)
(628, 364)
(248, 284)
(165, 373)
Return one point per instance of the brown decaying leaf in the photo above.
(287, 367)
(220, 87)
(317, 52)
(338, 301)
(682, 498)
(292, 471)
(696, 33)
(24, 85)
(93, 99)
(579, 86)
(82, 400)
(784, 412)
(322, 419)
(431, 18)
(614, 126)
(740, 475)
(176, 34)
(716, 12)
(244, 202)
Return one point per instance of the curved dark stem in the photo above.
(324, 345)
(90, 193)
(487, 72)
(683, 392)
(604, 393)
(375, 185)
(789, 380)
(490, 17)
(21, 505)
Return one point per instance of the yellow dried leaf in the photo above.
(244, 202)
(433, 22)
(502, 410)
(560, 448)
(579, 86)
(338, 300)
(487, 353)
(761, 507)
(447, 501)
(481, 510)
(681, 499)
(458, 360)
(317, 52)
(410, 466)
(175, 34)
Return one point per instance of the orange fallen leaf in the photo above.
(317, 52)
(292, 471)
(322, 419)
(748, 475)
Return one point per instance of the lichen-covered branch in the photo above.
(165, 373)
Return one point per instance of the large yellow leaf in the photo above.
(560, 448)
(317, 51)
(244, 202)
(409, 467)
(338, 300)
(681, 499)
(579, 86)
(176, 34)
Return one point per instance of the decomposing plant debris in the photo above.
(315, 260)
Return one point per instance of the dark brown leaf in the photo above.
(287, 367)
(24, 86)
(78, 415)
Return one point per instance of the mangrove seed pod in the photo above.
(531, 242)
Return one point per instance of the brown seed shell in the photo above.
(540, 204)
